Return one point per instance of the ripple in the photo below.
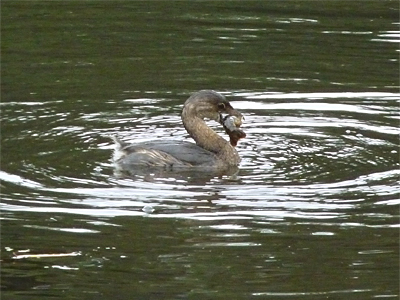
(317, 96)
(308, 156)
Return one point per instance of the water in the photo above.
(313, 212)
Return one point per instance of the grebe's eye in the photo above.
(221, 105)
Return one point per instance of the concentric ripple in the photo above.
(309, 156)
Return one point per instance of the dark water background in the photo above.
(313, 212)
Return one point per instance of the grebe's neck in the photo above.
(207, 138)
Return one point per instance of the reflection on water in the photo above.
(297, 146)
(313, 210)
(318, 167)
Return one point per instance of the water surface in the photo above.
(313, 211)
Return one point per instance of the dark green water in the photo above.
(313, 212)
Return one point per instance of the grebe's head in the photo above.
(209, 104)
